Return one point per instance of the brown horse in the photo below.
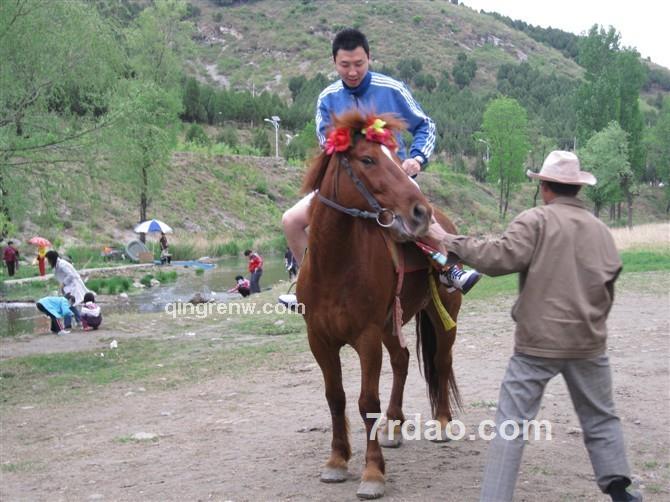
(366, 203)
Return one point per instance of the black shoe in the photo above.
(617, 490)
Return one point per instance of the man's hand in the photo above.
(411, 167)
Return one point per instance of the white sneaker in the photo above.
(289, 300)
(63, 332)
(460, 279)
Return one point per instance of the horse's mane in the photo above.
(356, 121)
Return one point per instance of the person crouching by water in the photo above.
(91, 316)
(242, 287)
(255, 269)
(57, 308)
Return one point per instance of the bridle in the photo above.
(379, 212)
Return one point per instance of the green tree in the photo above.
(611, 90)
(160, 43)
(606, 156)
(296, 84)
(632, 75)
(194, 111)
(658, 145)
(59, 63)
(505, 128)
(464, 70)
(597, 97)
(407, 68)
(141, 147)
(304, 144)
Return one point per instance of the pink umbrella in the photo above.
(40, 242)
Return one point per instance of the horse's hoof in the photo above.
(386, 442)
(370, 490)
(334, 475)
(445, 433)
(443, 439)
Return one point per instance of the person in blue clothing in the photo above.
(361, 88)
(57, 308)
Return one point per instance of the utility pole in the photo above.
(275, 123)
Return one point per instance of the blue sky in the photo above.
(643, 24)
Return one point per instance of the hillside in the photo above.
(261, 45)
(218, 199)
(50, 166)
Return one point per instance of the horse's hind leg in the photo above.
(389, 435)
(328, 358)
(369, 350)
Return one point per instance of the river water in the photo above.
(25, 318)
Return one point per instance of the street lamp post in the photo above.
(275, 122)
(487, 148)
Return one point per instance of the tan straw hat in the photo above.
(563, 167)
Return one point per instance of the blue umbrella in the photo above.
(152, 226)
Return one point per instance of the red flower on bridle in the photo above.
(339, 140)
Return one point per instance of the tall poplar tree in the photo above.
(505, 128)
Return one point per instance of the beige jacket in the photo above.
(567, 265)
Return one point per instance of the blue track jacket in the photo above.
(379, 94)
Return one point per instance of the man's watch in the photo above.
(420, 160)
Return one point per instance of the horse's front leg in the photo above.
(369, 350)
(328, 358)
(389, 435)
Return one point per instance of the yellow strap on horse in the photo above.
(447, 321)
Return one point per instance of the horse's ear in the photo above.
(316, 172)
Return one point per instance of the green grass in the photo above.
(645, 260)
(163, 277)
(60, 376)
(633, 261)
(25, 466)
(109, 285)
(29, 291)
(489, 287)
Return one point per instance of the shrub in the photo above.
(261, 142)
(228, 136)
(196, 134)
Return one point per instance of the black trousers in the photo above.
(56, 323)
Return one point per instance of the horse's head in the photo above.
(360, 150)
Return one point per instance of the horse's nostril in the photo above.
(419, 212)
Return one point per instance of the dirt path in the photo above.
(264, 435)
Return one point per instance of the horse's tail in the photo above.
(426, 350)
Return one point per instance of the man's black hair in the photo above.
(247, 252)
(563, 188)
(239, 278)
(350, 39)
(89, 297)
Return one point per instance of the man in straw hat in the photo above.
(567, 265)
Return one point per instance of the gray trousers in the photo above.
(589, 382)
(255, 280)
